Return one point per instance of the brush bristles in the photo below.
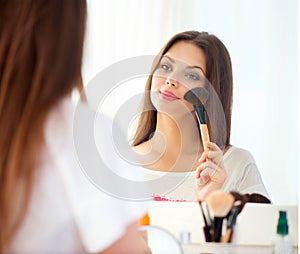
(196, 96)
(219, 203)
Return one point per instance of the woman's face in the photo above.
(180, 69)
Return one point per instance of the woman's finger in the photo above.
(203, 157)
(205, 177)
(213, 152)
(204, 166)
(202, 181)
(208, 172)
(213, 146)
(207, 164)
(200, 168)
(214, 156)
(198, 171)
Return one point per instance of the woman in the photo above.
(47, 206)
(167, 131)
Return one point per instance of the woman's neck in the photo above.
(176, 143)
(182, 134)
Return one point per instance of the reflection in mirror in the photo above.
(264, 54)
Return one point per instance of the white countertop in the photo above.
(215, 248)
(256, 224)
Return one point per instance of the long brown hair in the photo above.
(218, 74)
(41, 45)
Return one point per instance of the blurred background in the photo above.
(262, 39)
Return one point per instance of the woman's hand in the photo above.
(210, 174)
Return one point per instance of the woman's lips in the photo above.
(169, 96)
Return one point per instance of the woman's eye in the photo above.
(192, 76)
(165, 67)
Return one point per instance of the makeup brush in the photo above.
(207, 223)
(238, 206)
(219, 203)
(250, 198)
(197, 96)
(257, 198)
(231, 221)
(203, 214)
(240, 201)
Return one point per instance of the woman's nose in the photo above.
(171, 82)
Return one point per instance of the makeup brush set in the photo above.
(219, 207)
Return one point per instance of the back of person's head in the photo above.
(41, 43)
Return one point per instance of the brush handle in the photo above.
(207, 233)
(201, 117)
(206, 228)
(204, 136)
(227, 237)
(203, 214)
(231, 221)
(217, 229)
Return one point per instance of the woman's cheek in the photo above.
(157, 82)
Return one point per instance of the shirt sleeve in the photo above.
(100, 216)
(243, 175)
(251, 181)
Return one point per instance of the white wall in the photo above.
(262, 38)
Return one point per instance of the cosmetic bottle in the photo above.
(144, 222)
(282, 242)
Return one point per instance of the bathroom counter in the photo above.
(256, 224)
(227, 249)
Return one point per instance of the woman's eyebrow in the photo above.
(170, 58)
(195, 67)
(188, 66)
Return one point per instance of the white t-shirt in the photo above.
(67, 213)
(242, 176)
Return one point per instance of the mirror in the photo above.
(262, 39)
(161, 241)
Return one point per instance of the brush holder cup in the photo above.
(207, 234)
